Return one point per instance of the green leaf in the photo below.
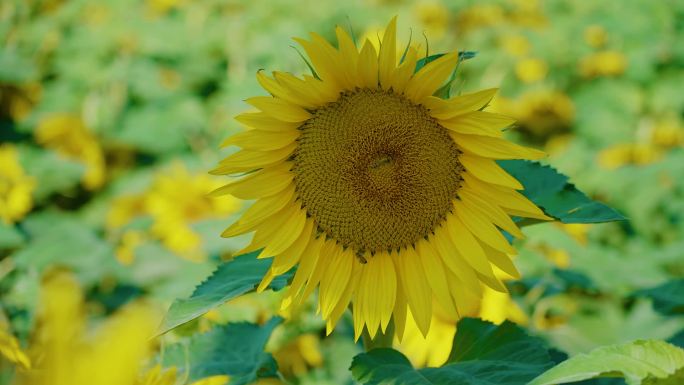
(384, 365)
(483, 354)
(481, 340)
(668, 298)
(551, 191)
(58, 239)
(635, 361)
(53, 171)
(15, 68)
(235, 349)
(462, 55)
(677, 339)
(231, 279)
(10, 237)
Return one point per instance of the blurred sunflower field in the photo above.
(113, 270)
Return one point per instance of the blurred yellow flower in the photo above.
(595, 36)
(531, 70)
(300, 354)
(158, 376)
(169, 78)
(65, 353)
(9, 346)
(650, 145)
(541, 114)
(125, 251)
(479, 16)
(667, 133)
(68, 135)
(434, 16)
(213, 380)
(554, 311)
(527, 13)
(15, 186)
(578, 231)
(18, 101)
(622, 154)
(603, 63)
(559, 257)
(96, 14)
(175, 199)
(160, 7)
(515, 45)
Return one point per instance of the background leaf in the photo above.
(635, 361)
(551, 191)
(668, 298)
(235, 349)
(483, 354)
(231, 279)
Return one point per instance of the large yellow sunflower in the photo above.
(383, 194)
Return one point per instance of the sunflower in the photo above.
(384, 195)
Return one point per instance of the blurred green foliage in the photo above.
(112, 111)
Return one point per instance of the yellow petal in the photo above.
(481, 227)
(279, 109)
(335, 279)
(10, 348)
(246, 160)
(470, 249)
(326, 252)
(325, 59)
(327, 90)
(343, 304)
(367, 297)
(349, 55)
(307, 264)
(405, 70)
(478, 123)
(309, 91)
(400, 311)
(343, 79)
(281, 90)
(288, 258)
(467, 302)
(268, 278)
(501, 260)
(426, 81)
(262, 183)
(266, 230)
(463, 104)
(388, 284)
(287, 235)
(262, 121)
(260, 211)
(257, 140)
(368, 66)
(357, 315)
(510, 200)
(451, 257)
(418, 293)
(488, 171)
(495, 148)
(387, 60)
(490, 211)
(434, 269)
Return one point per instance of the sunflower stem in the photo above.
(381, 340)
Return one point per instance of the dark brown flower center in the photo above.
(375, 170)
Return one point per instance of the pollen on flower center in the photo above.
(375, 170)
